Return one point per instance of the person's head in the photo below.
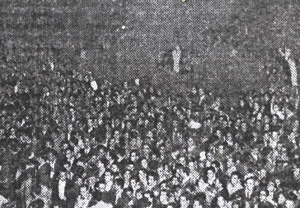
(209, 156)
(163, 197)
(221, 201)
(218, 133)
(235, 178)
(146, 148)
(287, 52)
(84, 191)
(194, 90)
(129, 192)
(125, 85)
(271, 186)
(182, 160)
(250, 183)
(114, 168)
(202, 156)
(185, 172)
(37, 204)
(210, 173)
(175, 181)
(78, 179)
(281, 198)
(266, 119)
(119, 184)
(275, 119)
(149, 196)
(262, 173)
(144, 163)
(184, 200)
(101, 164)
(230, 162)
(197, 204)
(139, 194)
(100, 186)
(152, 179)
(133, 156)
(134, 182)
(68, 153)
(244, 127)
(221, 148)
(237, 204)
(216, 165)
(190, 141)
(62, 175)
(263, 195)
(266, 97)
(130, 166)
(108, 176)
(160, 170)
(296, 172)
(242, 102)
(192, 164)
(256, 106)
(258, 125)
(116, 135)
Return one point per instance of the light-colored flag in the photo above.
(94, 85)
(194, 125)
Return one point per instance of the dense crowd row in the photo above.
(68, 141)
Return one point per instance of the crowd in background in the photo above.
(69, 141)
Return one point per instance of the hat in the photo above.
(249, 176)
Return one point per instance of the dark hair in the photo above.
(237, 173)
(217, 163)
(101, 181)
(104, 161)
(186, 195)
(109, 171)
(37, 189)
(201, 197)
(120, 151)
(153, 174)
(186, 170)
(37, 204)
(119, 182)
(265, 190)
(134, 177)
(206, 171)
(239, 203)
(128, 189)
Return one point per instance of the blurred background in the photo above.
(228, 44)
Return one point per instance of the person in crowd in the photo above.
(66, 143)
(84, 198)
(234, 187)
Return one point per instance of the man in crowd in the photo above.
(132, 145)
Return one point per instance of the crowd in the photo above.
(69, 141)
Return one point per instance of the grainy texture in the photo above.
(149, 103)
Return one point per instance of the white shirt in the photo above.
(118, 195)
(83, 202)
(2, 200)
(233, 188)
(52, 165)
(293, 69)
(61, 189)
(108, 186)
(102, 204)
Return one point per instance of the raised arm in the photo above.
(280, 51)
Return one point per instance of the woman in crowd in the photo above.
(134, 145)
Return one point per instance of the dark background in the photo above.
(229, 42)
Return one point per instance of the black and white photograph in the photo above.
(149, 104)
